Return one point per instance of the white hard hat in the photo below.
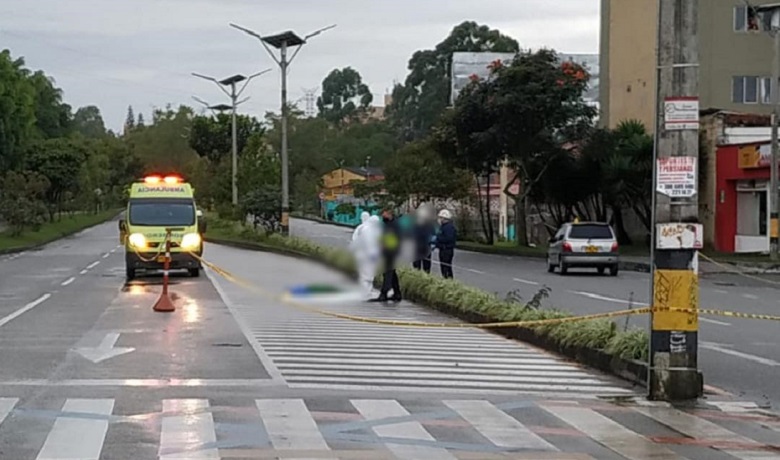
(364, 216)
(445, 214)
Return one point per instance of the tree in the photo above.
(418, 171)
(130, 120)
(89, 122)
(537, 108)
(420, 101)
(53, 117)
(163, 146)
(17, 110)
(212, 137)
(60, 161)
(344, 96)
(21, 200)
(141, 122)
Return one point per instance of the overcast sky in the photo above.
(115, 53)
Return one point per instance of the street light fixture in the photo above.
(233, 94)
(283, 42)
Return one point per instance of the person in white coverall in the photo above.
(365, 245)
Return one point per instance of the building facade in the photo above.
(735, 59)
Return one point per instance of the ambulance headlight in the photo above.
(190, 241)
(137, 240)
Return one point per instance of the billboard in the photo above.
(465, 65)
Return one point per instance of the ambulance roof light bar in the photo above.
(152, 179)
(170, 180)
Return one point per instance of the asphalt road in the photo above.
(741, 357)
(238, 371)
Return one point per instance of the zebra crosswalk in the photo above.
(333, 428)
(321, 352)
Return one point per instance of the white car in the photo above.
(584, 245)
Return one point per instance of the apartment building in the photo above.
(735, 58)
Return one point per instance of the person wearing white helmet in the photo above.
(445, 243)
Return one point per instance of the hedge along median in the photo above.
(596, 343)
(52, 231)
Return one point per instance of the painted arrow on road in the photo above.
(105, 350)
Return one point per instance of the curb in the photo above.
(630, 370)
(19, 249)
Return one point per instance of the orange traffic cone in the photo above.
(164, 303)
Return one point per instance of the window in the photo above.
(766, 90)
(744, 90)
(590, 232)
(747, 19)
(161, 213)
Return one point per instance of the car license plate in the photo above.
(591, 249)
(160, 259)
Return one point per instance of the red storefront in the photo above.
(742, 198)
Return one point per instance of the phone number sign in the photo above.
(676, 177)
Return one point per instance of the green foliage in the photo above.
(21, 200)
(212, 137)
(52, 116)
(17, 110)
(51, 231)
(418, 170)
(344, 96)
(163, 146)
(88, 122)
(346, 209)
(60, 161)
(420, 101)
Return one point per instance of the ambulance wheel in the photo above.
(194, 272)
(129, 273)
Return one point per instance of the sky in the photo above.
(117, 53)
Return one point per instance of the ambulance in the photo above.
(158, 205)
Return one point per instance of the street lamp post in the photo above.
(773, 11)
(233, 94)
(283, 42)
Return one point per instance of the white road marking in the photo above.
(24, 309)
(497, 426)
(532, 283)
(611, 434)
(290, 425)
(714, 321)
(358, 354)
(6, 406)
(68, 281)
(721, 291)
(473, 271)
(381, 409)
(567, 372)
(153, 383)
(106, 255)
(93, 265)
(183, 434)
(448, 374)
(80, 435)
(83, 272)
(728, 351)
(105, 350)
(750, 296)
(595, 296)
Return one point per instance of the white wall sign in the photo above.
(681, 113)
(679, 236)
(676, 176)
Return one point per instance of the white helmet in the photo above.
(445, 214)
(364, 216)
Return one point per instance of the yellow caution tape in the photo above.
(494, 325)
(737, 270)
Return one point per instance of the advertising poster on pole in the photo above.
(676, 177)
(681, 113)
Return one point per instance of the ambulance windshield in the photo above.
(162, 213)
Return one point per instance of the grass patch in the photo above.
(452, 295)
(52, 231)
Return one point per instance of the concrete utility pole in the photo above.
(773, 11)
(283, 42)
(673, 367)
(233, 94)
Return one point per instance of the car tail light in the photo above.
(614, 247)
(566, 247)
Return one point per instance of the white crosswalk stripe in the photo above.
(315, 352)
(289, 428)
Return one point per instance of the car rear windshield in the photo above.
(162, 213)
(590, 232)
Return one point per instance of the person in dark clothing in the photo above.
(424, 231)
(445, 243)
(391, 246)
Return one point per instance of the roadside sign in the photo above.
(681, 113)
(676, 177)
(680, 236)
